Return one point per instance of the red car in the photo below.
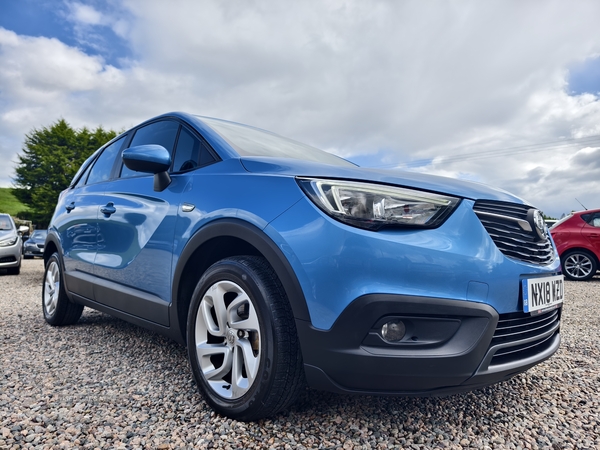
(577, 239)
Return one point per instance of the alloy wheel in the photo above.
(578, 265)
(228, 339)
(51, 288)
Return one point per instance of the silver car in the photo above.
(10, 245)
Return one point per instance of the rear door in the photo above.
(591, 231)
(77, 221)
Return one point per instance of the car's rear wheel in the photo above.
(58, 309)
(578, 265)
(242, 340)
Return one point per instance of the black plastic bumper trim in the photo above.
(337, 360)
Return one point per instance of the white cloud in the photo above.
(85, 14)
(405, 80)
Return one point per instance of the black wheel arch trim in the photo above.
(252, 235)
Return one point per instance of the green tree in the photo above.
(50, 158)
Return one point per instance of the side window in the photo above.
(102, 168)
(190, 153)
(161, 133)
(83, 178)
(596, 220)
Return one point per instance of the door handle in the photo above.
(108, 209)
(70, 207)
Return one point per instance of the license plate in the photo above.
(543, 294)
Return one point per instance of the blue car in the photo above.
(281, 266)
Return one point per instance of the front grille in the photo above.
(521, 335)
(7, 259)
(503, 223)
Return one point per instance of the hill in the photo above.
(9, 203)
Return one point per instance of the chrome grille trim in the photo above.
(504, 223)
(518, 334)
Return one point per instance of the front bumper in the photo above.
(450, 346)
(10, 256)
(33, 250)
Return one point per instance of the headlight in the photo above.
(8, 242)
(374, 206)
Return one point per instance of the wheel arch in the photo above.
(51, 247)
(585, 250)
(221, 239)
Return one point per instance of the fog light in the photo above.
(393, 331)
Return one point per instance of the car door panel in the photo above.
(77, 228)
(591, 232)
(134, 256)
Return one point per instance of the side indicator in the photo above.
(187, 207)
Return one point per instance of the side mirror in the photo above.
(23, 229)
(150, 158)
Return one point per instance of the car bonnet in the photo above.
(432, 183)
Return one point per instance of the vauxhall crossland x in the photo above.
(279, 266)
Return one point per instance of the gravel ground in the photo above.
(106, 384)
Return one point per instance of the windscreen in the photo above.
(5, 223)
(250, 141)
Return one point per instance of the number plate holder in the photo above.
(543, 293)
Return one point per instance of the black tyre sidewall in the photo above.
(247, 405)
(583, 253)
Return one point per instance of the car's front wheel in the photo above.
(58, 309)
(578, 265)
(242, 341)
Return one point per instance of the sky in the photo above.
(505, 93)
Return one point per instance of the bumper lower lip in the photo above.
(8, 263)
(350, 357)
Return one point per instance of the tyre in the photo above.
(14, 270)
(58, 309)
(242, 341)
(578, 265)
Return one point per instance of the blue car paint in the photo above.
(135, 252)
(345, 263)
(153, 154)
(259, 189)
(421, 181)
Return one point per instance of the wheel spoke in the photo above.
(243, 360)
(214, 301)
(204, 315)
(205, 351)
(235, 321)
(250, 361)
(51, 288)
(49, 279)
(217, 293)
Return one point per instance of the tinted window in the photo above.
(83, 177)
(103, 166)
(159, 133)
(191, 152)
(249, 141)
(80, 176)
